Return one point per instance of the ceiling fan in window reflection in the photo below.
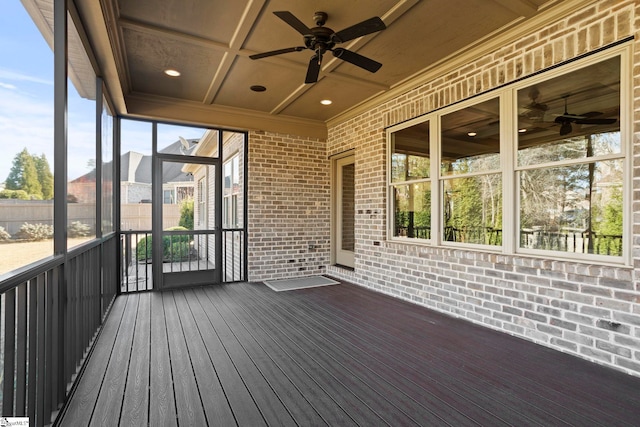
(321, 39)
(565, 120)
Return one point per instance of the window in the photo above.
(231, 192)
(471, 181)
(202, 202)
(570, 163)
(411, 183)
(546, 177)
(167, 197)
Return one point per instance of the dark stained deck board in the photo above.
(214, 400)
(110, 398)
(188, 404)
(324, 404)
(240, 400)
(525, 387)
(135, 409)
(401, 385)
(81, 407)
(388, 403)
(270, 406)
(412, 366)
(521, 364)
(337, 355)
(279, 380)
(162, 404)
(364, 407)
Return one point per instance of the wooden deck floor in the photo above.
(340, 355)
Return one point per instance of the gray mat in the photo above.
(299, 283)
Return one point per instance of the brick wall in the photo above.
(288, 187)
(592, 311)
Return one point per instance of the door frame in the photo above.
(184, 278)
(339, 256)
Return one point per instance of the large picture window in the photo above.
(570, 162)
(538, 167)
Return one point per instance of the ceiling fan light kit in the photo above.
(565, 120)
(322, 39)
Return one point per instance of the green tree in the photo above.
(186, 214)
(44, 176)
(24, 175)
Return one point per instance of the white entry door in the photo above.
(344, 208)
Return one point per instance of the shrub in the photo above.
(4, 235)
(79, 229)
(171, 246)
(177, 251)
(35, 232)
(14, 194)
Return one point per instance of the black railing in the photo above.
(50, 316)
(579, 241)
(183, 251)
(233, 255)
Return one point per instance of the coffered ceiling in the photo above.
(209, 42)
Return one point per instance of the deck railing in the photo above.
(50, 315)
(184, 251)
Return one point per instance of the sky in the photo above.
(26, 101)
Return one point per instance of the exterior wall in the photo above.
(135, 192)
(289, 206)
(589, 310)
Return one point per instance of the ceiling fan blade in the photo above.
(277, 52)
(596, 121)
(314, 70)
(357, 59)
(369, 26)
(297, 24)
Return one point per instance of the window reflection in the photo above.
(472, 204)
(471, 139)
(570, 198)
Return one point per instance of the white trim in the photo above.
(509, 168)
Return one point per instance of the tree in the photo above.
(45, 177)
(24, 175)
(186, 214)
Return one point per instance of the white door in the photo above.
(344, 208)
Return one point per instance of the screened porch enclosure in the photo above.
(190, 189)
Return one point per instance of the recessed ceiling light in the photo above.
(171, 72)
(472, 134)
(258, 88)
(326, 102)
(523, 130)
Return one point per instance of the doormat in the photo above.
(299, 283)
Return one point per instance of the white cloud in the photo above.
(6, 74)
(8, 86)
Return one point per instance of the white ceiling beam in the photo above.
(332, 63)
(245, 25)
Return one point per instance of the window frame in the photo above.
(230, 200)
(510, 170)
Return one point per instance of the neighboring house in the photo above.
(135, 179)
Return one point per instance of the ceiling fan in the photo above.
(565, 120)
(321, 39)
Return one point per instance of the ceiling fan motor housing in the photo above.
(320, 18)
